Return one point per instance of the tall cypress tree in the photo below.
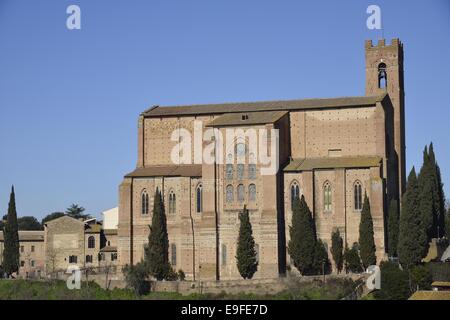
(301, 245)
(157, 251)
(412, 242)
(366, 239)
(438, 196)
(11, 255)
(337, 247)
(393, 228)
(246, 253)
(427, 193)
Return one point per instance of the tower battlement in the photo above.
(395, 42)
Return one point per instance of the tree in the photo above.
(245, 252)
(352, 259)
(412, 242)
(76, 212)
(52, 216)
(337, 245)
(427, 194)
(301, 245)
(29, 223)
(321, 261)
(11, 255)
(393, 228)
(421, 278)
(447, 223)
(136, 278)
(157, 251)
(366, 241)
(394, 282)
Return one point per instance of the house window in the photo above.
(230, 194)
(358, 196)
(32, 263)
(240, 193)
(240, 171)
(229, 171)
(252, 171)
(224, 255)
(295, 193)
(101, 256)
(73, 259)
(32, 248)
(173, 249)
(22, 249)
(327, 197)
(252, 192)
(144, 202)
(22, 263)
(89, 259)
(382, 76)
(91, 242)
(199, 199)
(114, 256)
(172, 202)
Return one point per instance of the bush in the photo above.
(136, 278)
(181, 275)
(394, 282)
(352, 259)
(421, 278)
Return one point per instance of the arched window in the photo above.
(172, 202)
(252, 171)
(327, 196)
(91, 242)
(224, 255)
(229, 171)
(357, 190)
(240, 193)
(199, 198)
(295, 193)
(240, 171)
(230, 194)
(240, 150)
(382, 76)
(173, 256)
(252, 192)
(144, 202)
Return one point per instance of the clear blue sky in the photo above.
(69, 100)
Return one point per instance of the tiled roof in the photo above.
(28, 235)
(93, 228)
(110, 231)
(247, 118)
(430, 295)
(441, 284)
(332, 163)
(108, 249)
(193, 170)
(286, 105)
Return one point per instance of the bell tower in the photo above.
(384, 74)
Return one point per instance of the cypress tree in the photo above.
(157, 251)
(301, 246)
(336, 250)
(438, 196)
(393, 228)
(352, 259)
(426, 190)
(321, 261)
(11, 255)
(366, 239)
(412, 242)
(246, 253)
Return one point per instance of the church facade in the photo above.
(332, 151)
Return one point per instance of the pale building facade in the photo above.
(332, 151)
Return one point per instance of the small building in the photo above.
(441, 286)
(32, 253)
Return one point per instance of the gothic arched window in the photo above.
(230, 194)
(172, 202)
(382, 76)
(252, 192)
(240, 171)
(199, 198)
(229, 171)
(358, 196)
(240, 193)
(144, 202)
(224, 255)
(173, 256)
(295, 193)
(252, 171)
(240, 150)
(91, 242)
(327, 196)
